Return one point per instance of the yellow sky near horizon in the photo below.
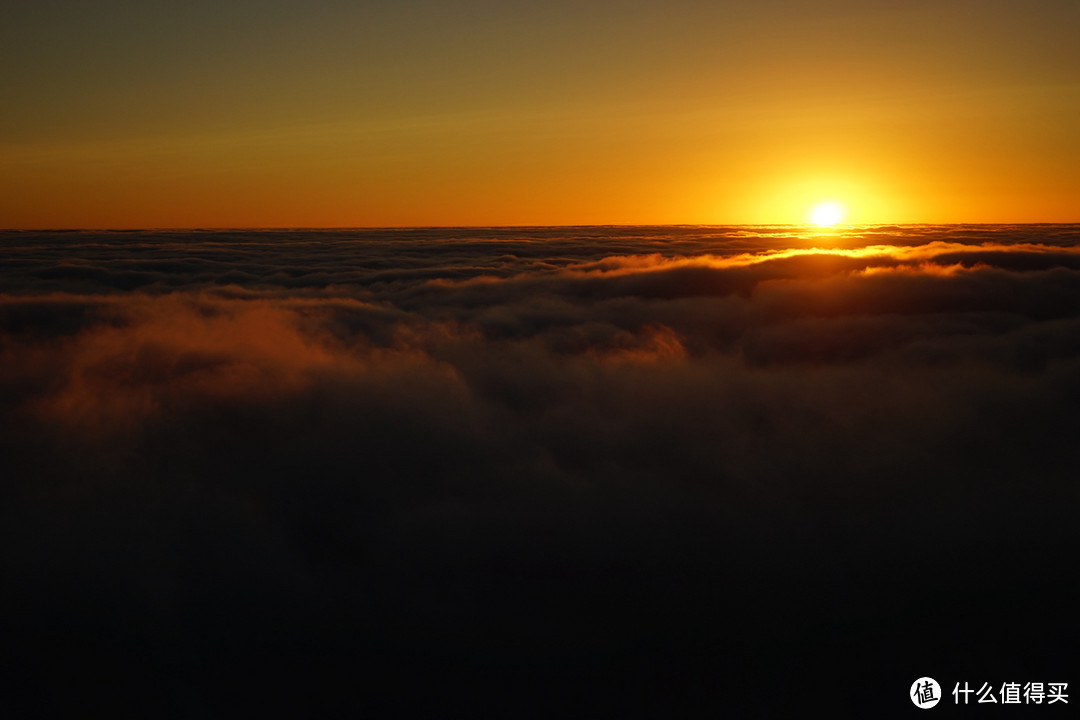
(334, 114)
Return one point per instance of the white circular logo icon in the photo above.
(925, 693)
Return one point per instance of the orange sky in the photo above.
(333, 113)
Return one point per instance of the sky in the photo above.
(327, 113)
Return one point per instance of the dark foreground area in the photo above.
(583, 472)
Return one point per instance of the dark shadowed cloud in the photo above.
(653, 472)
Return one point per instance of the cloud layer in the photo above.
(625, 469)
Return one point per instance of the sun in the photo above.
(826, 213)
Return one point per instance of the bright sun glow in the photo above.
(827, 213)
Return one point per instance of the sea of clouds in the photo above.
(644, 471)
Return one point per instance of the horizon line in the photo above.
(330, 228)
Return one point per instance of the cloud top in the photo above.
(565, 448)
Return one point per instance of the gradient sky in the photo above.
(233, 113)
